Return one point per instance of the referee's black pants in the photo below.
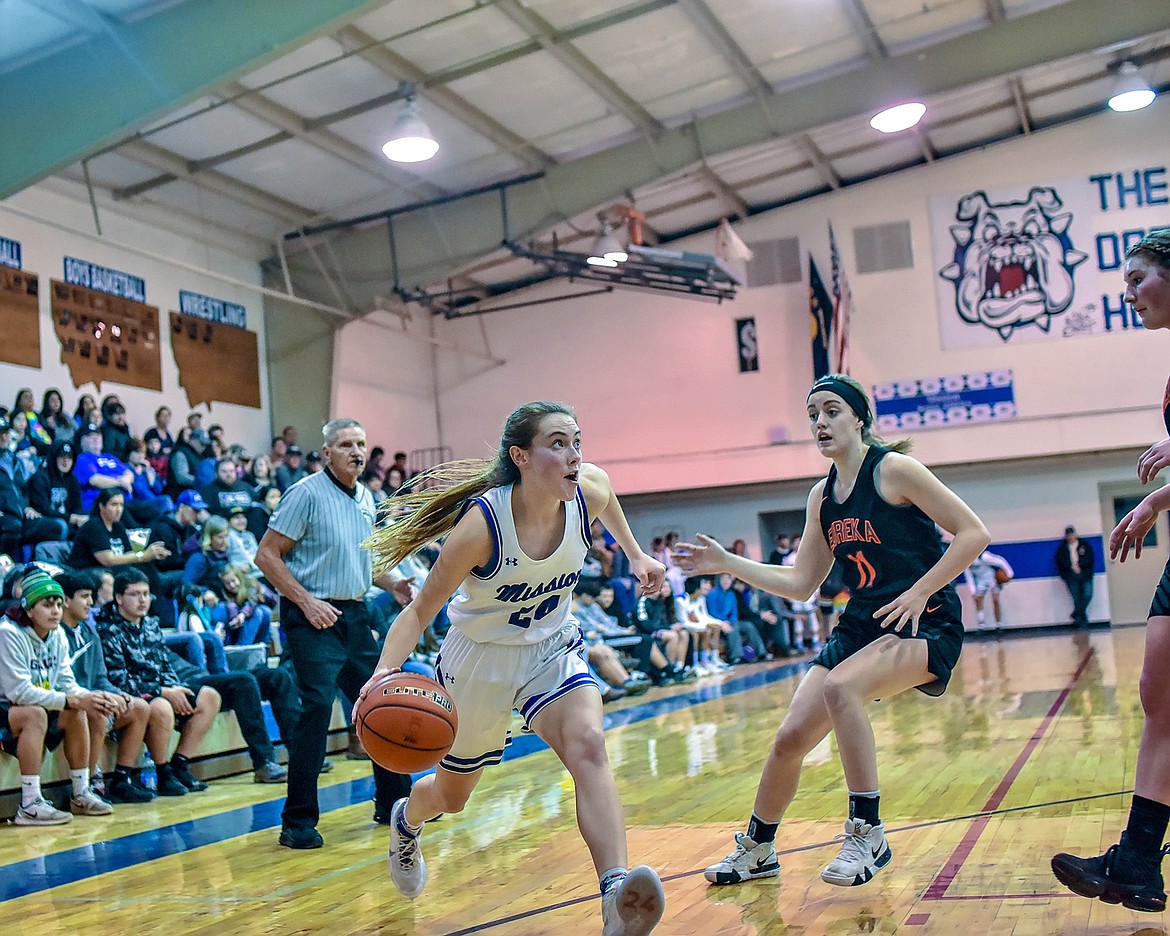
(339, 657)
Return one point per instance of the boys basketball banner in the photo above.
(980, 397)
(1041, 262)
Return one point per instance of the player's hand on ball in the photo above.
(377, 676)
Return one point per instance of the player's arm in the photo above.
(796, 582)
(905, 480)
(469, 546)
(602, 503)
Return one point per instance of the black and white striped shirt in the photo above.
(328, 523)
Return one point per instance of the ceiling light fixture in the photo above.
(1132, 92)
(411, 139)
(899, 117)
(606, 250)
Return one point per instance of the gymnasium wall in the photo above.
(665, 410)
(44, 245)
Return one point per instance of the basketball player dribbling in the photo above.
(1130, 872)
(517, 533)
(876, 514)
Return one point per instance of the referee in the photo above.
(312, 554)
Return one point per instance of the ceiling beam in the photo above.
(472, 227)
(819, 161)
(716, 33)
(401, 69)
(176, 166)
(866, 31)
(1016, 87)
(568, 55)
(88, 95)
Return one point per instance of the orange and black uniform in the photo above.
(884, 549)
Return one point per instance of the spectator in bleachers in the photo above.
(657, 616)
(204, 568)
(242, 545)
(117, 440)
(276, 453)
(178, 531)
(246, 609)
(373, 480)
(195, 637)
(782, 551)
(692, 611)
(769, 613)
(54, 418)
(104, 542)
(313, 462)
(647, 651)
(393, 479)
(374, 465)
(194, 421)
(160, 462)
(137, 663)
(20, 523)
(604, 638)
(161, 431)
(289, 435)
(95, 470)
(86, 413)
(89, 669)
(722, 605)
(400, 464)
(35, 433)
(219, 444)
(54, 491)
(240, 693)
(291, 470)
(227, 491)
(43, 704)
(147, 486)
(262, 509)
(260, 475)
(184, 461)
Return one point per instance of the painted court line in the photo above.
(954, 864)
(34, 875)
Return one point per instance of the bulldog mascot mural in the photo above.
(1013, 261)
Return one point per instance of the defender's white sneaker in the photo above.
(864, 853)
(89, 804)
(408, 870)
(748, 861)
(634, 905)
(40, 812)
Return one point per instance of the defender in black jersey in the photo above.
(1130, 872)
(876, 513)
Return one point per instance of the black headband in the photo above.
(847, 392)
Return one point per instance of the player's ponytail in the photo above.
(428, 506)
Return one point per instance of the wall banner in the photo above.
(980, 397)
(1041, 263)
(747, 344)
(213, 310)
(9, 253)
(103, 279)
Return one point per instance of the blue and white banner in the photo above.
(9, 253)
(219, 311)
(1042, 262)
(905, 405)
(103, 279)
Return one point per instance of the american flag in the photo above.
(842, 307)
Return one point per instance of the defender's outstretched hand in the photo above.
(705, 557)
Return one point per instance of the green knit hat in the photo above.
(36, 585)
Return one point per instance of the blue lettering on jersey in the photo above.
(523, 591)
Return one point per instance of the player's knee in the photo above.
(161, 713)
(838, 693)
(31, 718)
(1155, 700)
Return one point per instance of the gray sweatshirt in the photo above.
(35, 671)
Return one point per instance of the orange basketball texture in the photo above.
(406, 722)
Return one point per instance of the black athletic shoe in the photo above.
(1113, 882)
(185, 777)
(296, 837)
(121, 789)
(168, 783)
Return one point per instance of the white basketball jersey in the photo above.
(514, 599)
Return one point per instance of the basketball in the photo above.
(1002, 577)
(406, 722)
